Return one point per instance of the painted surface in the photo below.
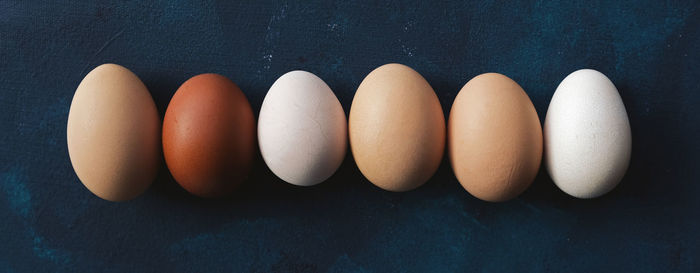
(50, 223)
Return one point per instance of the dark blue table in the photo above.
(650, 223)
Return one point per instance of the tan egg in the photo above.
(113, 134)
(494, 138)
(396, 128)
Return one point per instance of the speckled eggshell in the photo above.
(113, 134)
(209, 136)
(302, 130)
(587, 135)
(494, 138)
(396, 128)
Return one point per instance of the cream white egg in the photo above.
(587, 135)
(302, 129)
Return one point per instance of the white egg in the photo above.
(302, 129)
(587, 135)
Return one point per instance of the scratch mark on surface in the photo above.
(530, 206)
(272, 36)
(109, 41)
(474, 220)
(114, 37)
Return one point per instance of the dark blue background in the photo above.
(649, 223)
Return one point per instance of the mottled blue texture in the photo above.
(650, 49)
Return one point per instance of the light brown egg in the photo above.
(396, 128)
(494, 138)
(113, 133)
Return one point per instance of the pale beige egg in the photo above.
(113, 134)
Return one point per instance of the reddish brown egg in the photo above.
(209, 136)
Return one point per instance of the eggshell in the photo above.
(396, 128)
(587, 135)
(302, 130)
(494, 138)
(209, 136)
(113, 133)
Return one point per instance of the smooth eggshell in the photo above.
(587, 135)
(302, 130)
(494, 138)
(113, 133)
(209, 136)
(396, 128)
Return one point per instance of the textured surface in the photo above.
(588, 139)
(302, 129)
(649, 223)
(113, 134)
(494, 138)
(209, 136)
(396, 128)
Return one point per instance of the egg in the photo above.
(209, 136)
(494, 138)
(396, 128)
(113, 134)
(302, 130)
(587, 135)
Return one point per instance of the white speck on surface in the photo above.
(272, 36)
(407, 26)
(407, 50)
(268, 61)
